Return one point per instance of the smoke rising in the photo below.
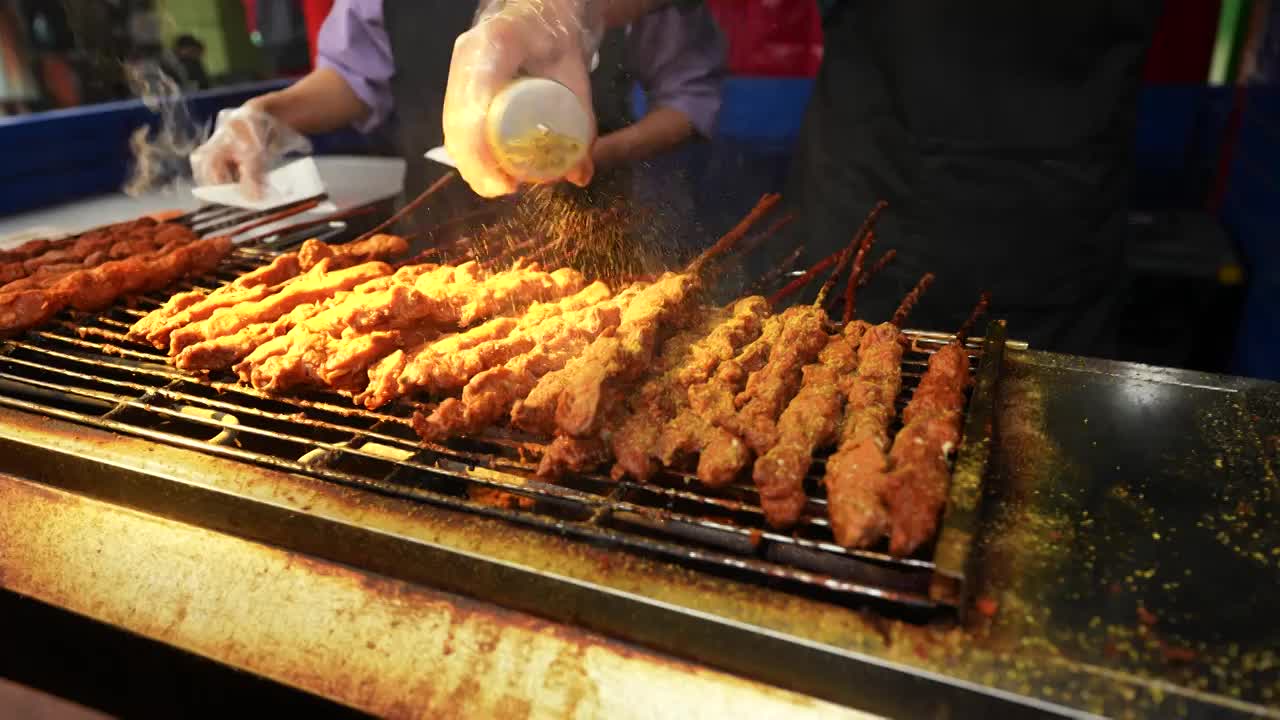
(160, 153)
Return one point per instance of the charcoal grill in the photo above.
(672, 567)
(83, 370)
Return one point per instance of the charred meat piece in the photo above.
(573, 395)
(98, 287)
(195, 305)
(654, 397)
(692, 431)
(452, 362)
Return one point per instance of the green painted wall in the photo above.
(220, 25)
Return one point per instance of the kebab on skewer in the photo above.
(492, 394)
(337, 350)
(631, 430)
(189, 307)
(567, 452)
(920, 476)
(87, 249)
(812, 418)
(90, 250)
(737, 410)
(97, 287)
(856, 476)
(224, 351)
(316, 285)
(571, 400)
(635, 438)
(39, 246)
(591, 407)
(384, 377)
(47, 270)
(409, 297)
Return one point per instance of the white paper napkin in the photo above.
(296, 181)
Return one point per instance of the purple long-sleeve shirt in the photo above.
(677, 56)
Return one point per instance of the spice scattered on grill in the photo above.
(592, 229)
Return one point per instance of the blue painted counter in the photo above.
(63, 155)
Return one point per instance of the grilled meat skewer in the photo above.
(635, 440)
(803, 334)
(222, 352)
(812, 417)
(495, 393)
(810, 421)
(753, 420)
(856, 475)
(695, 429)
(318, 284)
(97, 287)
(929, 434)
(408, 297)
(622, 358)
(193, 306)
(385, 377)
(652, 396)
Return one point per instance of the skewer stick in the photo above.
(731, 238)
(772, 275)
(868, 226)
(835, 275)
(873, 217)
(851, 287)
(874, 270)
(795, 285)
(984, 302)
(268, 219)
(343, 215)
(769, 232)
(490, 208)
(413, 205)
(545, 251)
(879, 265)
(825, 289)
(911, 299)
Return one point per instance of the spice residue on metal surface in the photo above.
(1110, 572)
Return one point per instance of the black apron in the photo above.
(422, 33)
(999, 132)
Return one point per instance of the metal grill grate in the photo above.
(83, 370)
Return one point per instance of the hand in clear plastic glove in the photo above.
(546, 38)
(245, 144)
